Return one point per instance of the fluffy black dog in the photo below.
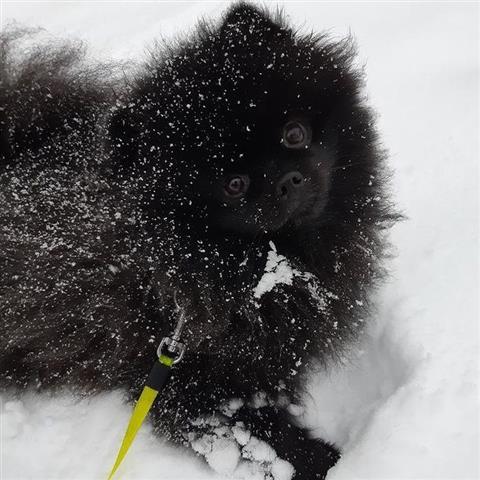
(246, 147)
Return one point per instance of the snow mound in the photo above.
(65, 437)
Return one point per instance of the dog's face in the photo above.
(239, 127)
(277, 177)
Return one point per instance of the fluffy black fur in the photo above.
(106, 210)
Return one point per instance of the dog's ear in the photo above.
(123, 136)
(247, 33)
(244, 18)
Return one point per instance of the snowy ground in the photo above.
(407, 404)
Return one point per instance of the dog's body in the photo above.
(106, 212)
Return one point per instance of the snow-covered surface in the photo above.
(406, 406)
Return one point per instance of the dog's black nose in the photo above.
(289, 183)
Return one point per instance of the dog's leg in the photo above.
(310, 458)
(259, 442)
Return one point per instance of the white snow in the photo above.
(59, 437)
(224, 456)
(277, 271)
(281, 470)
(232, 406)
(406, 406)
(241, 435)
(260, 451)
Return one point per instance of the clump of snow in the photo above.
(242, 436)
(282, 470)
(224, 455)
(258, 451)
(277, 271)
(233, 405)
(203, 444)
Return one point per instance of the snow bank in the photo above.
(406, 406)
(58, 437)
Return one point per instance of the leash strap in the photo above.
(156, 381)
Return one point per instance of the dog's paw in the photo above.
(232, 450)
(214, 440)
(261, 461)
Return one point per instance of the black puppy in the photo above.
(238, 172)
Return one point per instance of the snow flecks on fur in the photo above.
(279, 271)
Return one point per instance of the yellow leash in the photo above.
(156, 380)
(141, 409)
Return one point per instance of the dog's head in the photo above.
(238, 127)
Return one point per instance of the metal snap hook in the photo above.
(172, 346)
(173, 343)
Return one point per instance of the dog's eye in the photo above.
(296, 135)
(236, 186)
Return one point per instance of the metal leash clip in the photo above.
(173, 344)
